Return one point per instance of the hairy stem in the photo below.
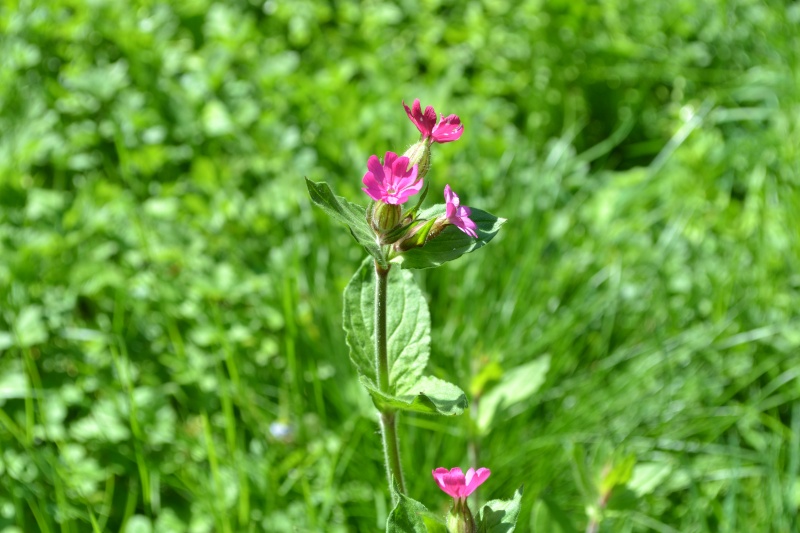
(391, 447)
(391, 450)
(381, 357)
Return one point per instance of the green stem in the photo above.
(382, 359)
(391, 450)
(391, 447)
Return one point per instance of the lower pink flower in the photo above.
(392, 182)
(457, 214)
(458, 485)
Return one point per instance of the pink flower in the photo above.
(393, 182)
(457, 214)
(447, 130)
(458, 485)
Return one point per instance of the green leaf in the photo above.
(435, 396)
(500, 516)
(408, 326)
(517, 385)
(352, 215)
(408, 330)
(407, 515)
(451, 243)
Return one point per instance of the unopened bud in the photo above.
(417, 236)
(459, 519)
(420, 154)
(385, 217)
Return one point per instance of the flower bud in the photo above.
(418, 235)
(385, 217)
(459, 519)
(420, 154)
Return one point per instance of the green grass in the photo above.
(168, 293)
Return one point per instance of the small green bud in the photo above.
(420, 154)
(459, 519)
(418, 236)
(385, 217)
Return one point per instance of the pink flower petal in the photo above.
(423, 123)
(448, 130)
(391, 182)
(429, 119)
(374, 166)
(475, 478)
(457, 214)
(373, 187)
(458, 485)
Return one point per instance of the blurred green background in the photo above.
(170, 302)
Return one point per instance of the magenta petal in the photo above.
(416, 117)
(388, 160)
(416, 107)
(412, 115)
(373, 187)
(429, 119)
(399, 165)
(451, 202)
(392, 182)
(409, 191)
(425, 122)
(457, 214)
(475, 478)
(449, 194)
(439, 475)
(468, 227)
(448, 130)
(455, 482)
(374, 166)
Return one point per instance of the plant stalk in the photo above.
(391, 445)
(381, 355)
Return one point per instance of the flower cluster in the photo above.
(392, 183)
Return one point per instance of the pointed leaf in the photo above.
(430, 396)
(407, 515)
(500, 516)
(408, 326)
(451, 243)
(408, 330)
(352, 215)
